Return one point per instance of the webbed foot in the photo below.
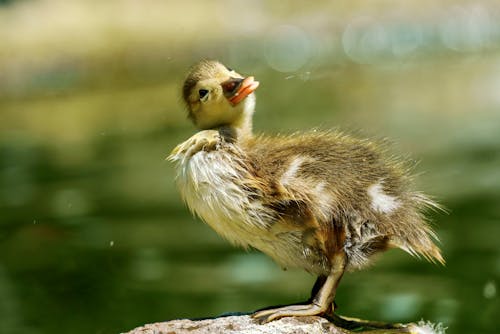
(289, 311)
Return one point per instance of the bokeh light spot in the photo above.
(288, 49)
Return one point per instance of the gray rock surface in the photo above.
(244, 324)
(241, 325)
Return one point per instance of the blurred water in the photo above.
(94, 237)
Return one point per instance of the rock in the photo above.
(244, 324)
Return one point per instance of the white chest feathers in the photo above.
(212, 185)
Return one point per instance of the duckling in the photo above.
(322, 201)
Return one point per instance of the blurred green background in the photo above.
(93, 235)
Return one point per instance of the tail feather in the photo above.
(421, 240)
(427, 246)
(428, 251)
(432, 254)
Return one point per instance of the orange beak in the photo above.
(247, 87)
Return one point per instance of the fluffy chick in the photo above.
(322, 201)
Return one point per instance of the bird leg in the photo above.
(317, 286)
(320, 304)
(314, 291)
(206, 140)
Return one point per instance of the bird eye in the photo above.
(203, 93)
(229, 69)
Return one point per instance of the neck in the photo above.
(243, 127)
(237, 131)
(244, 124)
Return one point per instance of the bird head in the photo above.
(216, 96)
